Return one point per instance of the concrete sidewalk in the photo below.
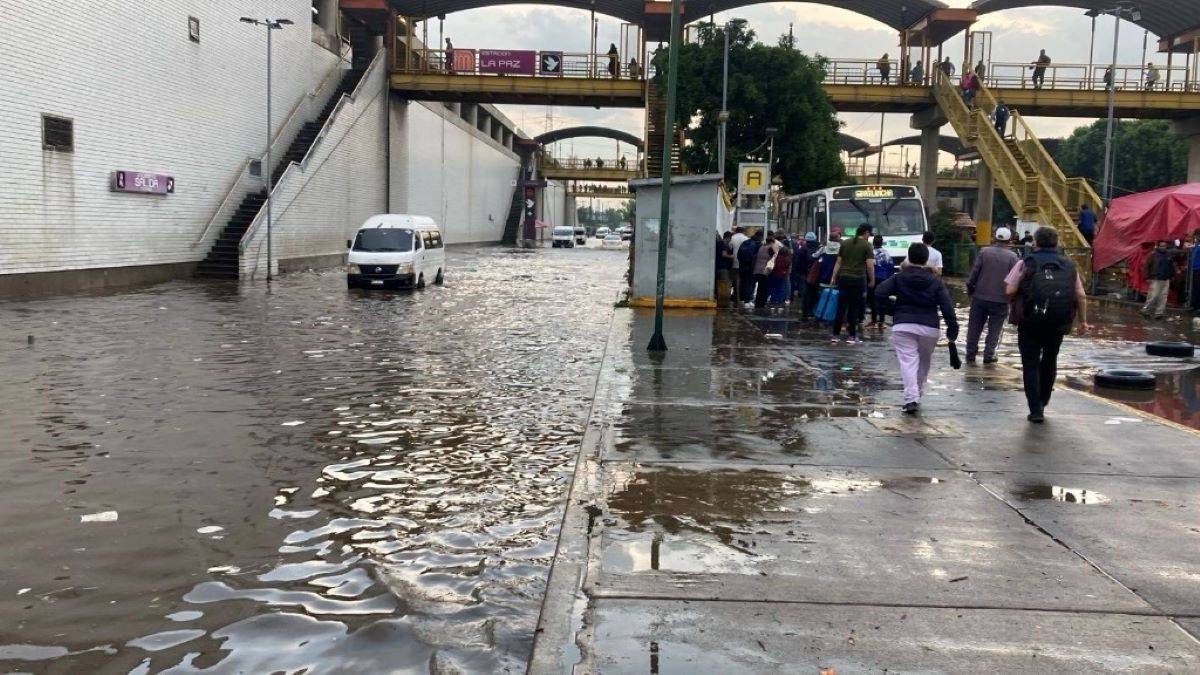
(754, 502)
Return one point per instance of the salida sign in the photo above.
(142, 182)
(507, 62)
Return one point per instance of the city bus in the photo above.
(896, 212)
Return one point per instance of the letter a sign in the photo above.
(754, 179)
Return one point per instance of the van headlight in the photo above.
(404, 268)
(354, 269)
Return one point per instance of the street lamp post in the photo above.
(268, 169)
(1134, 15)
(723, 116)
(657, 342)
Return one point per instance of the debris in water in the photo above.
(102, 517)
(209, 529)
(293, 423)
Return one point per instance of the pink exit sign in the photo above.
(143, 183)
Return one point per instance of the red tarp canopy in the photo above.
(1166, 214)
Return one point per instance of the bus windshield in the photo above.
(888, 217)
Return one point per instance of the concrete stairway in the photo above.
(224, 259)
(656, 113)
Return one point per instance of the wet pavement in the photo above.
(753, 501)
(205, 477)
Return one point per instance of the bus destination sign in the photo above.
(875, 192)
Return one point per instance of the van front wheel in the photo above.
(421, 281)
(440, 278)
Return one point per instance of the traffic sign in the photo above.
(552, 63)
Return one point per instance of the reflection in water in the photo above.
(1058, 493)
(307, 479)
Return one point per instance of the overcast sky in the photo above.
(829, 31)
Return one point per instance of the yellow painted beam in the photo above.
(520, 89)
(1031, 102)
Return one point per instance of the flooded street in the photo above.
(202, 477)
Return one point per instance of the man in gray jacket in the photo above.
(989, 303)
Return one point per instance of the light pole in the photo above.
(723, 116)
(657, 342)
(271, 24)
(1135, 15)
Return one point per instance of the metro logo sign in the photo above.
(462, 60)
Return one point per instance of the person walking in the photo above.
(747, 254)
(724, 267)
(614, 61)
(1152, 76)
(812, 274)
(1087, 223)
(916, 297)
(989, 302)
(1108, 78)
(1039, 70)
(1048, 298)
(739, 236)
(1194, 270)
(947, 67)
(855, 260)
(1001, 119)
(969, 88)
(981, 71)
(763, 264)
(635, 69)
(1159, 269)
(780, 276)
(934, 260)
(885, 267)
(884, 66)
(917, 76)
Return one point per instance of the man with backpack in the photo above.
(1047, 295)
(747, 254)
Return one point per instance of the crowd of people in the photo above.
(1167, 272)
(1041, 293)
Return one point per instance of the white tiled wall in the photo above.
(445, 169)
(143, 97)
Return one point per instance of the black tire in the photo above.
(421, 282)
(1175, 350)
(439, 279)
(1125, 379)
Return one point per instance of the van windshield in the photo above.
(384, 240)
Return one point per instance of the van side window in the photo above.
(435, 239)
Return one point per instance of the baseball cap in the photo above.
(811, 236)
(1003, 234)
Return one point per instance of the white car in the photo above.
(626, 232)
(602, 232)
(612, 241)
(396, 251)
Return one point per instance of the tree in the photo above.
(1149, 155)
(769, 87)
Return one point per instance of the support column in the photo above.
(984, 205)
(930, 123)
(1190, 130)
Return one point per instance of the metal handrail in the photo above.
(221, 212)
(1086, 76)
(376, 63)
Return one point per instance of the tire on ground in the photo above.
(1125, 379)
(1176, 350)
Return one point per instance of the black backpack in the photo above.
(1048, 293)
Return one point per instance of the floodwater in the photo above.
(200, 477)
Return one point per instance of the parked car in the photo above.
(602, 232)
(562, 237)
(396, 251)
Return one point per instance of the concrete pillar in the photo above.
(327, 14)
(984, 205)
(1190, 130)
(930, 123)
(470, 112)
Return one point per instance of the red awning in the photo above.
(1166, 214)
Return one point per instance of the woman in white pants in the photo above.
(916, 296)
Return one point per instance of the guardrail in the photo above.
(521, 63)
(582, 164)
(284, 136)
(1065, 76)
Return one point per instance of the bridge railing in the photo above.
(518, 63)
(605, 163)
(1081, 76)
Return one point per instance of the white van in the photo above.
(580, 235)
(563, 236)
(396, 251)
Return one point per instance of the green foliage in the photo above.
(941, 223)
(769, 87)
(1148, 155)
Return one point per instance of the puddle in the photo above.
(668, 554)
(1057, 493)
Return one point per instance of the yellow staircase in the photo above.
(1023, 169)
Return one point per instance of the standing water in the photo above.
(302, 479)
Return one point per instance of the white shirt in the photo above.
(735, 243)
(935, 260)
